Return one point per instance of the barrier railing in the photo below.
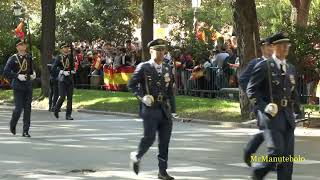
(209, 82)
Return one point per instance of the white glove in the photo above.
(147, 100)
(33, 76)
(22, 77)
(73, 72)
(271, 109)
(66, 73)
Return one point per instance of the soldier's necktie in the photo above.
(282, 69)
(159, 69)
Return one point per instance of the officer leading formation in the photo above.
(152, 84)
(19, 69)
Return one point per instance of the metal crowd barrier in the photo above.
(213, 83)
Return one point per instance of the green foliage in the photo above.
(215, 13)
(6, 34)
(93, 19)
(9, 23)
(272, 15)
(303, 50)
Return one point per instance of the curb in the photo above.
(9, 106)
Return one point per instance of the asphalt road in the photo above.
(97, 146)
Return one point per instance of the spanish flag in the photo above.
(117, 79)
(19, 30)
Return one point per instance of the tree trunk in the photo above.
(246, 26)
(300, 12)
(147, 27)
(48, 21)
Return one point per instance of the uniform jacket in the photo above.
(146, 75)
(58, 65)
(246, 74)
(282, 87)
(11, 71)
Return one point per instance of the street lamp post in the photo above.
(195, 5)
(17, 10)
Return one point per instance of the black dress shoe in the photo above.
(56, 114)
(26, 134)
(135, 162)
(165, 176)
(69, 118)
(247, 157)
(13, 130)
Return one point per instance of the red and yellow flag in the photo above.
(19, 30)
(117, 79)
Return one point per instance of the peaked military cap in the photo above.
(279, 38)
(157, 43)
(266, 41)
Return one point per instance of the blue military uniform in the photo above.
(149, 80)
(22, 90)
(258, 138)
(54, 88)
(64, 63)
(278, 129)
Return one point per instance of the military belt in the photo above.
(159, 98)
(283, 102)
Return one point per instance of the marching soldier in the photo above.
(272, 89)
(54, 89)
(19, 69)
(257, 140)
(64, 65)
(152, 84)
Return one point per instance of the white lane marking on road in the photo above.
(198, 135)
(238, 164)
(191, 169)
(14, 142)
(185, 139)
(63, 140)
(11, 162)
(88, 129)
(305, 162)
(188, 149)
(237, 142)
(86, 135)
(51, 177)
(75, 146)
(107, 138)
